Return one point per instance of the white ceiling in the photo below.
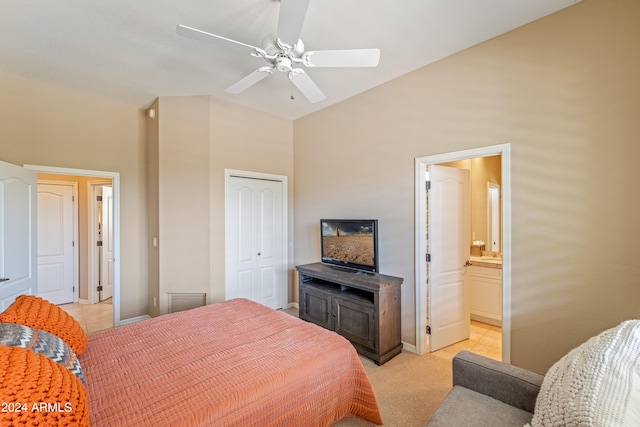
(128, 50)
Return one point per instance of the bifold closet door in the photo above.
(254, 241)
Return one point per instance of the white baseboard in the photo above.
(134, 320)
(409, 347)
(486, 320)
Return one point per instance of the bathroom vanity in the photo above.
(485, 275)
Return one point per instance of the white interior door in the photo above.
(255, 264)
(56, 259)
(449, 245)
(18, 237)
(106, 226)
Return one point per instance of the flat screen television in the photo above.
(350, 243)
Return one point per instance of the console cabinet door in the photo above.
(316, 307)
(355, 322)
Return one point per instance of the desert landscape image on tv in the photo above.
(352, 243)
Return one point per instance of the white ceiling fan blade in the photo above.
(342, 58)
(223, 42)
(290, 20)
(248, 81)
(305, 85)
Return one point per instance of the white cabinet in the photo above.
(486, 294)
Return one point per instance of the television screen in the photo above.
(351, 243)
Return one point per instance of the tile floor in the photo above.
(92, 317)
(485, 340)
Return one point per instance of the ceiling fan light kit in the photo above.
(285, 50)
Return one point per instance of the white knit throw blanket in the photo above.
(592, 384)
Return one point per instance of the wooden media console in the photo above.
(363, 307)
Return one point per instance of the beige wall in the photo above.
(183, 198)
(249, 140)
(45, 126)
(190, 143)
(194, 140)
(153, 220)
(564, 92)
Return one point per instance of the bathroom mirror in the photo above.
(493, 217)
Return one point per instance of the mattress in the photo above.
(235, 363)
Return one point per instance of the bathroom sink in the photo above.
(487, 259)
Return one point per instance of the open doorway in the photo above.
(424, 319)
(75, 216)
(95, 266)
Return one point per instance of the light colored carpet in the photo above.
(408, 389)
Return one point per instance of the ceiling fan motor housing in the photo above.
(281, 53)
(283, 64)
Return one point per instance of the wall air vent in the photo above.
(185, 301)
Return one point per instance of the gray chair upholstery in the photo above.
(487, 393)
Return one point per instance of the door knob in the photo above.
(259, 253)
(4, 279)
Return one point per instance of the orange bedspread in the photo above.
(235, 363)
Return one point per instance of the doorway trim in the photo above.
(115, 181)
(421, 288)
(228, 174)
(93, 232)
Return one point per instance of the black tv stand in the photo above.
(362, 307)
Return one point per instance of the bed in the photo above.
(227, 364)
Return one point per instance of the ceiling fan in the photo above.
(285, 51)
